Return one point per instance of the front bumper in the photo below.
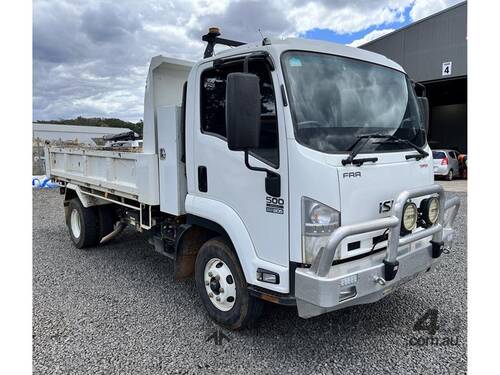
(323, 287)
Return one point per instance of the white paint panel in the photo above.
(147, 179)
(233, 224)
(172, 170)
(164, 85)
(126, 173)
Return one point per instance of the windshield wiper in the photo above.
(357, 146)
(396, 140)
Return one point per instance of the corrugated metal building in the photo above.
(433, 51)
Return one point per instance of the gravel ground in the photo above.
(117, 309)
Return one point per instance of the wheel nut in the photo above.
(207, 282)
(211, 295)
(221, 290)
(217, 299)
(210, 274)
(217, 277)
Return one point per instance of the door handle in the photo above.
(202, 179)
(163, 154)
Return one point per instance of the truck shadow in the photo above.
(388, 314)
(131, 247)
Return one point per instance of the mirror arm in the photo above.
(258, 169)
(273, 180)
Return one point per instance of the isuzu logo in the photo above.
(385, 206)
(351, 174)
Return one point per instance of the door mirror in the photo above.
(242, 111)
(423, 103)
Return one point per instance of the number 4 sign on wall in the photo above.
(446, 69)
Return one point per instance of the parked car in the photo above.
(446, 163)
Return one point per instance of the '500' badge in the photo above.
(275, 205)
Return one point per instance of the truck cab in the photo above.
(292, 171)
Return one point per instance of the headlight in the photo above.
(321, 214)
(410, 215)
(318, 222)
(430, 210)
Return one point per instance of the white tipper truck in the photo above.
(290, 171)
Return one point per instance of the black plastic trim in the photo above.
(205, 223)
(202, 179)
(272, 296)
(283, 96)
(183, 123)
(437, 249)
(390, 270)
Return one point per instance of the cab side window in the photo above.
(213, 100)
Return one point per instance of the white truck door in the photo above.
(221, 174)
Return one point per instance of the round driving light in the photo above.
(410, 215)
(430, 210)
(321, 214)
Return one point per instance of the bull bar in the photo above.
(319, 289)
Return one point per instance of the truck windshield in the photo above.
(335, 99)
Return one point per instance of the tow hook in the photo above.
(379, 280)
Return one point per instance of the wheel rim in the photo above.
(220, 284)
(76, 226)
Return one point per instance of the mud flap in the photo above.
(189, 241)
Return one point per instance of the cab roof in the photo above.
(277, 46)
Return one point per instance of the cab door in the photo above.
(221, 174)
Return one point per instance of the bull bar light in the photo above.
(409, 218)
(429, 209)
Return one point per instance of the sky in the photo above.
(90, 58)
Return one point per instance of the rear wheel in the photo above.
(449, 176)
(82, 224)
(222, 286)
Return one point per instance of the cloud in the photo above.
(370, 36)
(91, 57)
(424, 8)
(346, 16)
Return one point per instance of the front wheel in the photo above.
(222, 286)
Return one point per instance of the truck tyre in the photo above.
(449, 176)
(83, 224)
(107, 221)
(222, 286)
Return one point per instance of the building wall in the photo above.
(422, 47)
